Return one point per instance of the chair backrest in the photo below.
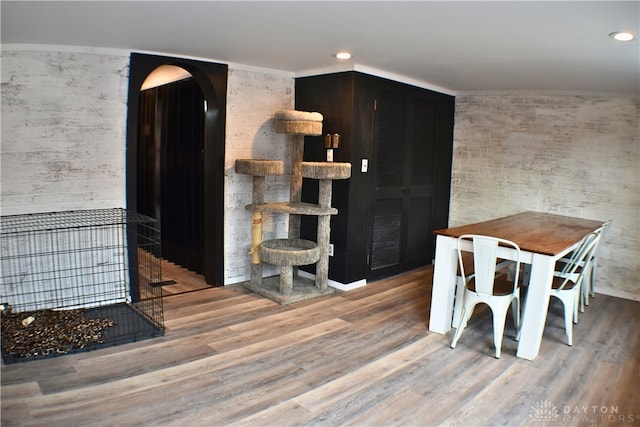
(574, 270)
(485, 259)
(602, 231)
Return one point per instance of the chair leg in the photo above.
(587, 287)
(576, 302)
(464, 318)
(499, 319)
(524, 296)
(515, 307)
(458, 302)
(569, 313)
(568, 324)
(458, 331)
(568, 300)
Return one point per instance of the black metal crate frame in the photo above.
(105, 262)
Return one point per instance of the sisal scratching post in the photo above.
(256, 240)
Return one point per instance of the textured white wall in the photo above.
(64, 138)
(252, 99)
(568, 155)
(63, 131)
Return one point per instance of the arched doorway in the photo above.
(211, 80)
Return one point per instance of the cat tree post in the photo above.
(296, 183)
(325, 173)
(259, 169)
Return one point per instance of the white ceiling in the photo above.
(456, 46)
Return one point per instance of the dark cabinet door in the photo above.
(402, 167)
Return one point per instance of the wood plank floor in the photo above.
(186, 281)
(364, 357)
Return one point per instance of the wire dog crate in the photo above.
(78, 280)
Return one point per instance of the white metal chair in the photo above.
(484, 286)
(588, 285)
(567, 283)
(467, 261)
(502, 267)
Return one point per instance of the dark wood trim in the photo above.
(212, 79)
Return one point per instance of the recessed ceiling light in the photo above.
(621, 36)
(343, 55)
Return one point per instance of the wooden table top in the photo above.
(542, 233)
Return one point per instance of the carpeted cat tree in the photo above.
(292, 252)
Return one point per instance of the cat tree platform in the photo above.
(288, 287)
(294, 122)
(302, 289)
(259, 167)
(326, 170)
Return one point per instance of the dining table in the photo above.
(543, 239)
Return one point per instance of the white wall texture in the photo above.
(64, 131)
(252, 99)
(567, 155)
(63, 138)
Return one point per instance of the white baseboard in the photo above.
(235, 280)
(337, 285)
(617, 294)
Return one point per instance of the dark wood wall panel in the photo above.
(387, 215)
(424, 151)
(390, 139)
(404, 144)
(419, 231)
(387, 233)
(333, 98)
